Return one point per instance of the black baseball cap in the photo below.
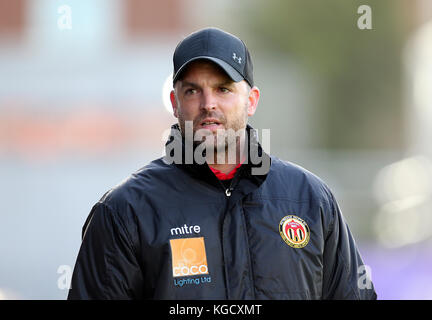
(226, 50)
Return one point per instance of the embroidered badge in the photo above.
(294, 231)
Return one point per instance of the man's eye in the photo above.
(190, 91)
(223, 89)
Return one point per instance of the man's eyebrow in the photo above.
(228, 82)
(184, 83)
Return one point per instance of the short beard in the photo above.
(225, 146)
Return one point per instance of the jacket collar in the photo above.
(254, 170)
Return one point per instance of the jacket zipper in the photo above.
(228, 193)
(230, 189)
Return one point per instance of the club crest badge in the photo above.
(294, 231)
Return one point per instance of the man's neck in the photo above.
(227, 164)
(225, 168)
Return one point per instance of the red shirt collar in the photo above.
(225, 176)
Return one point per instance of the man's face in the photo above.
(208, 97)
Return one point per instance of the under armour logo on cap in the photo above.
(238, 59)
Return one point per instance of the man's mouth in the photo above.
(210, 124)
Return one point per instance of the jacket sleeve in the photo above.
(106, 266)
(345, 276)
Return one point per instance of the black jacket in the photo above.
(173, 231)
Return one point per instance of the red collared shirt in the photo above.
(225, 176)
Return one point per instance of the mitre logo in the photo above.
(294, 231)
(188, 257)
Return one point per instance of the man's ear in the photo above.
(254, 95)
(174, 103)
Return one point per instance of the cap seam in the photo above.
(207, 42)
(245, 57)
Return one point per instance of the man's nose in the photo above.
(208, 100)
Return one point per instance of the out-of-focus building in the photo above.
(80, 109)
(84, 76)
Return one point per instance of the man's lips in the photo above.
(210, 124)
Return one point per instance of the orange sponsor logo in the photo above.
(188, 257)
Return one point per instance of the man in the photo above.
(217, 217)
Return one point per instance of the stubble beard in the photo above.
(225, 146)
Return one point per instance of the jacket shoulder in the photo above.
(135, 196)
(296, 182)
(139, 185)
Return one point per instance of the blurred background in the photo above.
(82, 107)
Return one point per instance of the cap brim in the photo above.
(230, 71)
